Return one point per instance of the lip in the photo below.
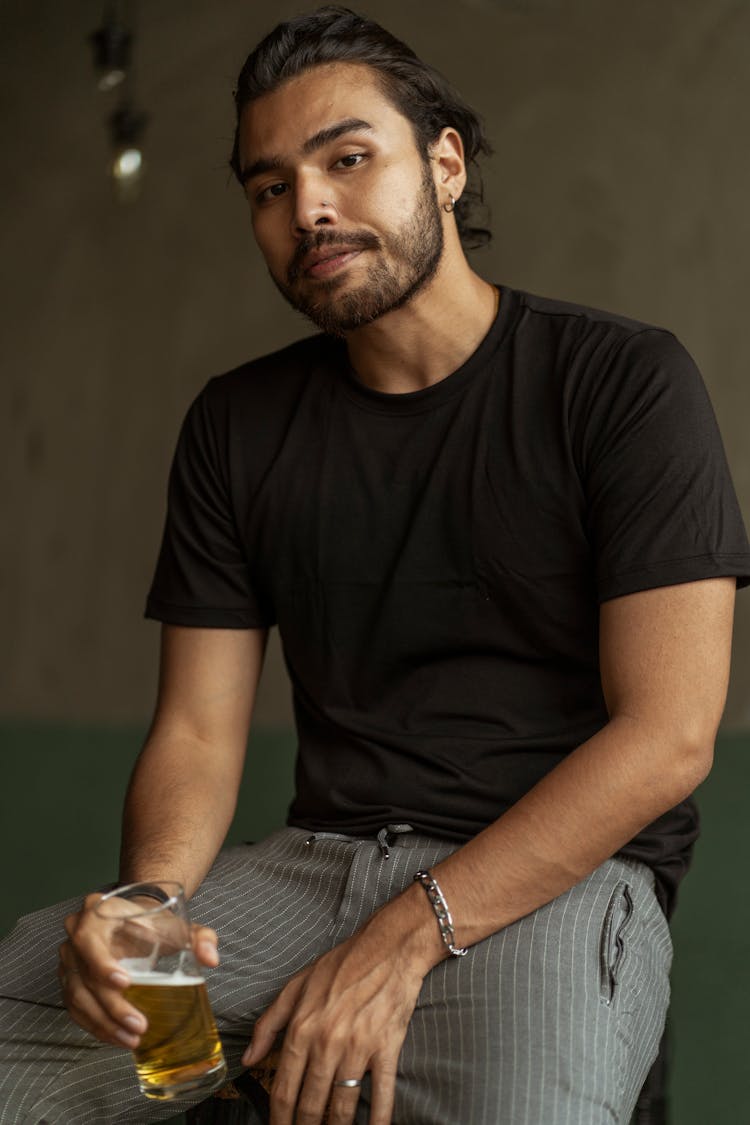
(321, 264)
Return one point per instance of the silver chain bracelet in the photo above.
(442, 913)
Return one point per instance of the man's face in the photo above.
(344, 208)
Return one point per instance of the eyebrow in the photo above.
(317, 141)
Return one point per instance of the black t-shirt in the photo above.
(435, 560)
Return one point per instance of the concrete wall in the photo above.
(621, 179)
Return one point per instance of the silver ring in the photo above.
(350, 1083)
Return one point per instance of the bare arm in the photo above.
(183, 791)
(179, 806)
(664, 658)
(664, 665)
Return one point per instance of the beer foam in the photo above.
(139, 974)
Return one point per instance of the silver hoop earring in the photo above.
(448, 207)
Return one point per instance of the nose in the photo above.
(313, 206)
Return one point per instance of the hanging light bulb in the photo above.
(127, 164)
(113, 44)
(112, 47)
(127, 126)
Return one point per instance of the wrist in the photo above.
(156, 874)
(407, 924)
(442, 913)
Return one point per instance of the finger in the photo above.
(274, 1020)
(72, 921)
(120, 1014)
(205, 942)
(329, 1086)
(314, 1097)
(344, 1099)
(286, 1087)
(66, 965)
(305, 1077)
(383, 1072)
(92, 899)
(88, 1013)
(86, 933)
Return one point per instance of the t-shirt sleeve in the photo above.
(202, 576)
(661, 504)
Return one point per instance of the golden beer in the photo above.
(180, 1049)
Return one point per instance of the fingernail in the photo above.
(119, 978)
(136, 1023)
(127, 1039)
(209, 951)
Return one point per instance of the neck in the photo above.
(430, 337)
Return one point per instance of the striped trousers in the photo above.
(554, 1020)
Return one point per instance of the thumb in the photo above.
(273, 1020)
(205, 942)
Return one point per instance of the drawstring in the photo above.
(383, 843)
(382, 837)
(326, 836)
(384, 833)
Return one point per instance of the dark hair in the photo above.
(414, 88)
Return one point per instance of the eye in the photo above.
(273, 191)
(351, 160)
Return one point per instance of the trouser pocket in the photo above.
(612, 946)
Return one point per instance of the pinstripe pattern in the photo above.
(532, 1027)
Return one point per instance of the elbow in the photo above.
(692, 762)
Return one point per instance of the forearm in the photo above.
(576, 817)
(178, 809)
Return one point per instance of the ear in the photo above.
(449, 165)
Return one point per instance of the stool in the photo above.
(651, 1107)
(232, 1106)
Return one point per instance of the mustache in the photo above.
(356, 240)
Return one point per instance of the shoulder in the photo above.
(584, 333)
(240, 419)
(275, 377)
(596, 348)
(538, 311)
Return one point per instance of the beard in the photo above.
(408, 260)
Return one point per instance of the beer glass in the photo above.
(147, 930)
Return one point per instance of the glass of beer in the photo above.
(148, 931)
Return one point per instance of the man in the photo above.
(499, 540)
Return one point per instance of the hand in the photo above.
(345, 1014)
(93, 982)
